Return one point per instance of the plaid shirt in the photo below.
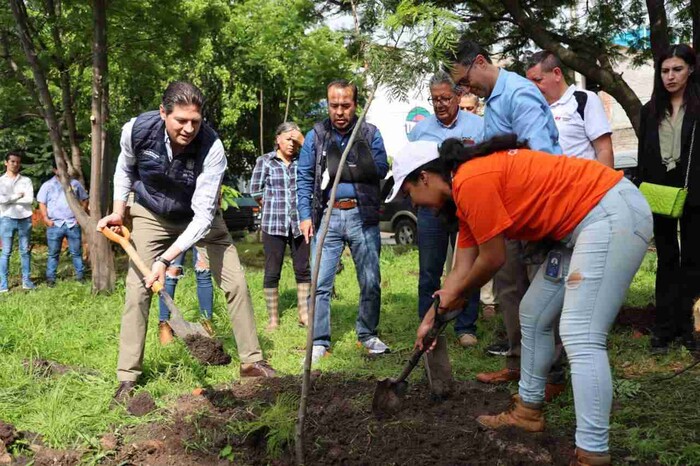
(276, 183)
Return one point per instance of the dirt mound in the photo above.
(141, 404)
(8, 434)
(45, 368)
(340, 429)
(208, 351)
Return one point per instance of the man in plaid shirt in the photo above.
(273, 185)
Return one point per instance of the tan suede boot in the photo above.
(523, 415)
(303, 291)
(439, 369)
(272, 301)
(165, 333)
(587, 458)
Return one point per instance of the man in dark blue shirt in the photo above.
(355, 216)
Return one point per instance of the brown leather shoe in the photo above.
(257, 369)
(123, 393)
(488, 312)
(502, 376)
(553, 390)
(587, 458)
(528, 418)
(165, 333)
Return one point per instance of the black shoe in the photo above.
(659, 345)
(499, 348)
(123, 393)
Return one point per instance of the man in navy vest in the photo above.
(174, 163)
(355, 216)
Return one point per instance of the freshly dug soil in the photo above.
(208, 351)
(341, 429)
(8, 434)
(141, 404)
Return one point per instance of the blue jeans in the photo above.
(433, 239)
(365, 242)
(599, 259)
(54, 239)
(205, 289)
(8, 227)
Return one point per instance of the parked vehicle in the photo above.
(627, 162)
(399, 217)
(245, 218)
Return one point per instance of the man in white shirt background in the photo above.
(584, 130)
(16, 196)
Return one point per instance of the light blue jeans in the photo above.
(598, 259)
(205, 289)
(365, 242)
(23, 228)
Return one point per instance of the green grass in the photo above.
(651, 421)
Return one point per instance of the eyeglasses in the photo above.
(464, 83)
(440, 100)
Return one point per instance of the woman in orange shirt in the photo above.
(600, 225)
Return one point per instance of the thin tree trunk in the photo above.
(286, 108)
(101, 256)
(658, 23)
(74, 163)
(320, 238)
(48, 109)
(695, 13)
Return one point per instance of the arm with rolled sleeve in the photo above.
(306, 168)
(379, 155)
(533, 122)
(205, 200)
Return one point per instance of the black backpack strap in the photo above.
(581, 100)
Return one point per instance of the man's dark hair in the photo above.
(343, 84)
(12, 153)
(660, 103)
(182, 93)
(466, 51)
(546, 59)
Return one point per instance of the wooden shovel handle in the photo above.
(124, 241)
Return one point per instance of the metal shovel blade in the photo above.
(180, 326)
(388, 395)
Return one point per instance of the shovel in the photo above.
(179, 325)
(389, 392)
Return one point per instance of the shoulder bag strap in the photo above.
(690, 154)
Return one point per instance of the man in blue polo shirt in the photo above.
(61, 223)
(513, 105)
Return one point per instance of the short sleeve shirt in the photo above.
(51, 193)
(576, 132)
(526, 195)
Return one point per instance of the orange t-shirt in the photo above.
(526, 195)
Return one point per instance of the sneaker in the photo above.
(28, 285)
(467, 340)
(318, 352)
(499, 348)
(375, 346)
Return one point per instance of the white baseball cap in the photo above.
(411, 156)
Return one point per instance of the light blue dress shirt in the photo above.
(467, 127)
(517, 106)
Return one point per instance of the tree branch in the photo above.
(659, 27)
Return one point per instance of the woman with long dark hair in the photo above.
(600, 226)
(666, 130)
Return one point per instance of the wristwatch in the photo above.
(163, 260)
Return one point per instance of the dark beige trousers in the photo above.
(152, 236)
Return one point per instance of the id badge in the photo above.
(552, 271)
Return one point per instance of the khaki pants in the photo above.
(152, 236)
(511, 283)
